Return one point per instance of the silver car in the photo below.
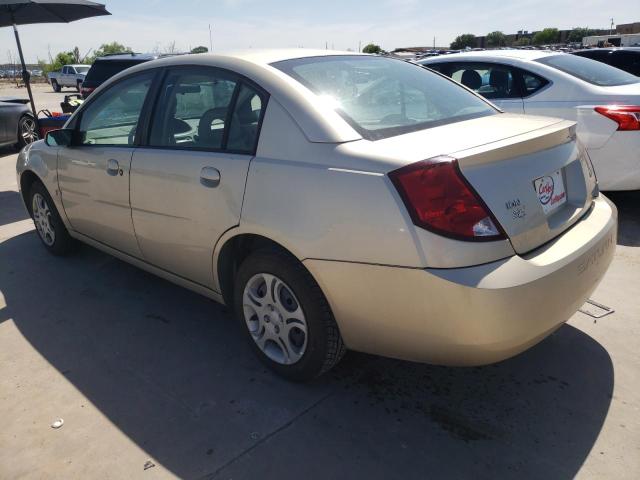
(334, 201)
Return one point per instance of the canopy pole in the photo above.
(25, 75)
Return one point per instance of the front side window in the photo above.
(492, 81)
(590, 71)
(112, 119)
(192, 110)
(382, 97)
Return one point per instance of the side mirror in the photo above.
(59, 138)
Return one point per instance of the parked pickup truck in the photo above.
(69, 76)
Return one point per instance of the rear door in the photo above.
(93, 174)
(497, 83)
(187, 183)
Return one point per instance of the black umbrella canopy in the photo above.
(24, 12)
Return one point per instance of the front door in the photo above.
(187, 185)
(94, 173)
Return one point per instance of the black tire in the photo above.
(79, 86)
(27, 131)
(55, 86)
(324, 347)
(63, 243)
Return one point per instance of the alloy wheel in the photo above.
(28, 130)
(275, 318)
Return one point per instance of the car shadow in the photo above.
(628, 204)
(6, 151)
(12, 209)
(173, 372)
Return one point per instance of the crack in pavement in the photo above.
(211, 476)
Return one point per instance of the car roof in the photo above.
(507, 53)
(128, 56)
(609, 49)
(77, 65)
(268, 56)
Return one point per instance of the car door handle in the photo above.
(210, 177)
(113, 167)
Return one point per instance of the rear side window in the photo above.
(531, 83)
(204, 108)
(590, 71)
(101, 71)
(192, 111)
(382, 97)
(491, 80)
(245, 121)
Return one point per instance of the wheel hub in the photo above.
(274, 318)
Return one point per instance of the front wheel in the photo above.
(27, 131)
(51, 229)
(56, 87)
(79, 86)
(286, 316)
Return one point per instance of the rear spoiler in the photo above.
(23, 101)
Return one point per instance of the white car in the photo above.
(604, 100)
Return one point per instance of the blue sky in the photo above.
(342, 24)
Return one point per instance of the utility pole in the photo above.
(359, 46)
(611, 28)
(434, 42)
(210, 40)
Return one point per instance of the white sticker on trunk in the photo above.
(550, 191)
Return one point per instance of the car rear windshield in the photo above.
(382, 97)
(101, 71)
(592, 71)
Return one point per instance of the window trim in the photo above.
(77, 119)
(523, 88)
(237, 77)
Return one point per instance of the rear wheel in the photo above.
(27, 132)
(286, 316)
(51, 229)
(55, 86)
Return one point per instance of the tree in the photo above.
(463, 41)
(522, 42)
(60, 60)
(199, 49)
(110, 49)
(546, 36)
(496, 39)
(371, 48)
(577, 34)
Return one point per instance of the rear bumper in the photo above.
(475, 315)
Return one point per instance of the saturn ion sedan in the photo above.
(334, 201)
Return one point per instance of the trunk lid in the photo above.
(537, 184)
(512, 161)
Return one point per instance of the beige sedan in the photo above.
(335, 201)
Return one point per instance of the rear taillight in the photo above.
(86, 91)
(439, 199)
(626, 116)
